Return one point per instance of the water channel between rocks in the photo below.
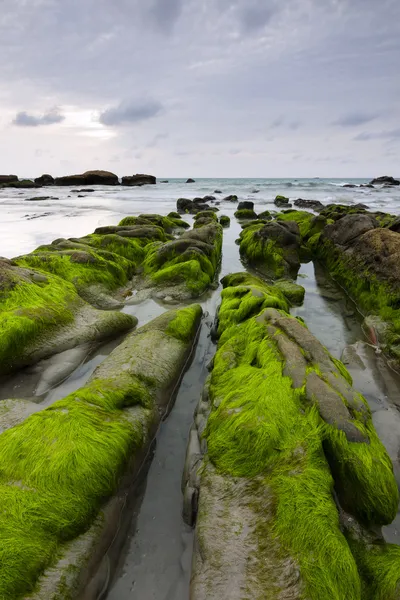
(155, 562)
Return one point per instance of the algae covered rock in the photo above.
(138, 180)
(88, 178)
(42, 314)
(282, 201)
(245, 214)
(62, 464)
(284, 428)
(272, 247)
(186, 267)
(224, 220)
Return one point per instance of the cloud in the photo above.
(256, 16)
(393, 134)
(25, 119)
(130, 112)
(165, 13)
(355, 119)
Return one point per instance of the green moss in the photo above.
(166, 223)
(29, 309)
(174, 215)
(182, 326)
(293, 292)
(379, 566)
(342, 370)
(190, 261)
(129, 248)
(81, 268)
(260, 426)
(262, 252)
(301, 217)
(245, 213)
(209, 214)
(224, 220)
(257, 426)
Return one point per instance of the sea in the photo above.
(27, 221)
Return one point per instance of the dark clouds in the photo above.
(355, 119)
(220, 75)
(130, 112)
(51, 117)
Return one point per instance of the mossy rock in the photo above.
(293, 292)
(268, 428)
(224, 220)
(273, 247)
(62, 463)
(245, 213)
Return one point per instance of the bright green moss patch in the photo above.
(190, 262)
(245, 213)
(209, 214)
(266, 253)
(263, 425)
(166, 223)
(293, 292)
(31, 305)
(129, 248)
(182, 326)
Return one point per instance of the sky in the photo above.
(200, 88)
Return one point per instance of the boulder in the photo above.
(277, 424)
(311, 204)
(349, 185)
(22, 184)
(282, 201)
(138, 180)
(350, 227)
(8, 178)
(231, 198)
(217, 192)
(44, 180)
(88, 178)
(246, 205)
(385, 180)
(190, 181)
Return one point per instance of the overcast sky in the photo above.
(191, 88)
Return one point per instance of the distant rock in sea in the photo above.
(190, 181)
(8, 178)
(385, 179)
(44, 180)
(89, 178)
(139, 179)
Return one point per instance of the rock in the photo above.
(190, 181)
(246, 205)
(246, 213)
(282, 201)
(217, 192)
(38, 198)
(88, 178)
(209, 199)
(349, 185)
(184, 205)
(312, 204)
(138, 180)
(8, 179)
(255, 191)
(366, 185)
(231, 198)
(87, 191)
(294, 293)
(385, 179)
(344, 231)
(266, 215)
(262, 361)
(23, 184)
(164, 181)
(44, 180)
(224, 221)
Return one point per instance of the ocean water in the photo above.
(26, 224)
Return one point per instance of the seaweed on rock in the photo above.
(283, 412)
(61, 464)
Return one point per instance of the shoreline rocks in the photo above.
(138, 180)
(277, 424)
(88, 178)
(385, 180)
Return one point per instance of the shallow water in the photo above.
(155, 562)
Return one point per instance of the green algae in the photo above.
(260, 426)
(206, 214)
(293, 292)
(182, 326)
(191, 262)
(265, 253)
(60, 465)
(245, 213)
(224, 220)
(30, 306)
(166, 223)
(128, 248)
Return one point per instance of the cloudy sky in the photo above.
(213, 88)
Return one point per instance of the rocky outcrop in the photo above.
(190, 181)
(311, 204)
(282, 202)
(72, 466)
(231, 198)
(272, 247)
(139, 180)
(45, 180)
(88, 178)
(385, 180)
(192, 207)
(42, 315)
(20, 184)
(277, 425)
(186, 267)
(8, 179)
